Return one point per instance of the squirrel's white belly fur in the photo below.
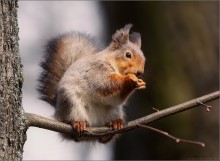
(84, 104)
(91, 108)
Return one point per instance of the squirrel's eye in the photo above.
(128, 54)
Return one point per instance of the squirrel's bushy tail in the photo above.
(61, 52)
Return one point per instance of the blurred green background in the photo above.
(181, 43)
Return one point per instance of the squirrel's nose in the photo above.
(139, 73)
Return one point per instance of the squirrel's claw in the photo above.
(79, 126)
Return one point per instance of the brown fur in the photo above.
(121, 84)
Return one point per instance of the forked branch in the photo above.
(54, 125)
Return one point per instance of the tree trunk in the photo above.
(12, 119)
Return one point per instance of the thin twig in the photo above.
(171, 136)
(42, 122)
(155, 109)
(208, 107)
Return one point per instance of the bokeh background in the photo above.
(181, 43)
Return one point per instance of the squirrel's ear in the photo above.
(121, 37)
(135, 38)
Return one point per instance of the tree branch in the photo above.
(54, 125)
(173, 137)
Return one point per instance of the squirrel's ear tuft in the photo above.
(121, 37)
(135, 38)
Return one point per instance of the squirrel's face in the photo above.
(127, 49)
(130, 60)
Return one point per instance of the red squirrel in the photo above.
(88, 86)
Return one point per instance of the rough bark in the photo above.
(12, 118)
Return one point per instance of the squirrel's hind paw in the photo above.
(79, 126)
(116, 124)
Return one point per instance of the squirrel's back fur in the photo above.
(61, 52)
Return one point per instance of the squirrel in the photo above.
(88, 86)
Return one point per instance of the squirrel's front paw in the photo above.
(79, 126)
(139, 83)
